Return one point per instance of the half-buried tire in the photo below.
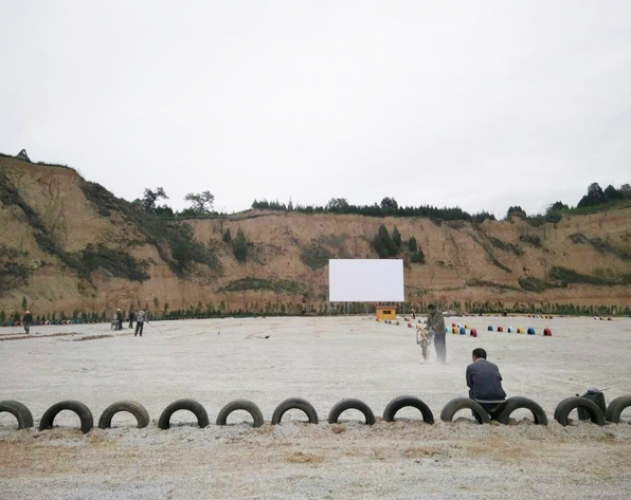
(616, 407)
(404, 402)
(518, 402)
(136, 409)
(455, 405)
(184, 404)
(241, 404)
(564, 408)
(351, 404)
(295, 404)
(82, 411)
(19, 411)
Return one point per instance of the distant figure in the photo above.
(27, 321)
(485, 383)
(119, 319)
(413, 314)
(436, 327)
(131, 318)
(140, 322)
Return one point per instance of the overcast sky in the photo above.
(476, 104)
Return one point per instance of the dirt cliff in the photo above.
(67, 244)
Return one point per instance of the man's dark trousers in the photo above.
(440, 344)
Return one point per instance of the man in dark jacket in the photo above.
(436, 327)
(27, 321)
(485, 383)
(119, 319)
(131, 318)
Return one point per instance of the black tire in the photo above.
(458, 404)
(82, 411)
(616, 407)
(295, 404)
(19, 411)
(136, 409)
(403, 402)
(517, 402)
(568, 404)
(241, 404)
(351, 404)
(184, 404)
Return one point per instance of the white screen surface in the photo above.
(366, 280)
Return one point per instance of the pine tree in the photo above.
(240, 247)
(396, 238)
(383, 244)
(412, 244)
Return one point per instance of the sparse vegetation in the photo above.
(507, 247)
(315, 256)
(564, 276)
(417, 257)
(13, 273)
(259, 284)
(489, 284)
(240, 247)
(173, 239)
(118, 263)
(227, 236)
(534, 285)
(601, 246)
(531, 239)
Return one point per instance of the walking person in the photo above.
(119, 319)
(131, 318)
(27, 321)
(140, 322)
(436, 327)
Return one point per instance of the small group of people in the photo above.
(140, 317)
(483, 377)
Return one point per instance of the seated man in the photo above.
(485, 383)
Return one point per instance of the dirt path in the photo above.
(296, 461)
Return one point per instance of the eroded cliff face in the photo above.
(67, 244)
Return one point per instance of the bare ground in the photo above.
(323, 360)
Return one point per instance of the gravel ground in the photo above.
(323, 360)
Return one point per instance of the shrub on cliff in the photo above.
(240, 247)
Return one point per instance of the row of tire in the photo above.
(561, 414)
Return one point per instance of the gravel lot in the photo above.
(322, 360)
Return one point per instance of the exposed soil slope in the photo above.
(67, 244)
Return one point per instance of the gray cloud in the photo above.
(476, 104)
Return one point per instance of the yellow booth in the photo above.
(386, 312)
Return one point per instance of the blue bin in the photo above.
(490, 328)
(463, 331)
(531, 331)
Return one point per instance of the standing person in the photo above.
(119, 319)
(413, 314)
(436, 327)
(485, 383)
(27, 321)
(140, 322)
(131, 318)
